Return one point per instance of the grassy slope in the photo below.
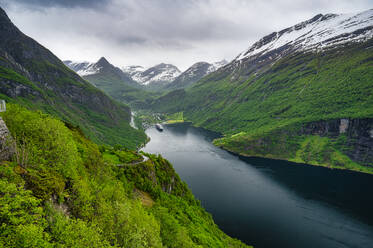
(121, 91)
(296, 89)
(62, 190)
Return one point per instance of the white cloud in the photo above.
(148, 32)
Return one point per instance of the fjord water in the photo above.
(270, 203)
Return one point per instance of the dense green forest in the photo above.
(62, 190)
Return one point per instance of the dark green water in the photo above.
(270, 203)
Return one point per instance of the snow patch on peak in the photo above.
(161, 73)
(220, 63)
(216, 65)
(83, 68)
(89, 70)
(202, 68)
(320, 32)
(133, 69)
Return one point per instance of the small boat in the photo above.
(159, 127)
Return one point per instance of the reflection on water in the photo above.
(270, 203)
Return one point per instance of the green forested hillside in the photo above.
(108, 123)
(249, 105)
(114, 82)
(121, 90)
(34, 77)
(62, 190)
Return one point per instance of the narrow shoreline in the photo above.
(297, 163)
(272, 158)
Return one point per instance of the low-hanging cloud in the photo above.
(152, 31)
(62, 3)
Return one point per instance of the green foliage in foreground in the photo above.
(62, 190)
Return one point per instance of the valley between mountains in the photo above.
(72, 172)
(302, 94)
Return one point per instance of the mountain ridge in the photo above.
(194, 73)
(159, 77)
(33, 76)
(311, 34)
(161, 74)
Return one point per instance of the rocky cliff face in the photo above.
(358, 144)
(345, 143)
(6, 144)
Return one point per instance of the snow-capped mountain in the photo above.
(161, 74)
(86, 68)
(218, 64)
(83, 68)
(195, 73)
(100, 71)
(133, 70)
(320, 32)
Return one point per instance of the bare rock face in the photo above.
(6, 142)
(358, 132)
(343, 126)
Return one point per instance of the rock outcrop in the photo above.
(358, 132)
(6, 142)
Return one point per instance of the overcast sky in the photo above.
(148, 32)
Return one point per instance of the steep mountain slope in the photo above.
(303, 94)
(194, 73)
(322, 31)
(154, 77)
(33, 76)
(113, 81)
(133, 71)
(63, 190)
(82, 68)
(95, 72)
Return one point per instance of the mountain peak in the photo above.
(321, 31)
(159, 74)
(103, 62)
(165, 66)
(220, 63)
(3, 17)
(194, 73)
(7, 28)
